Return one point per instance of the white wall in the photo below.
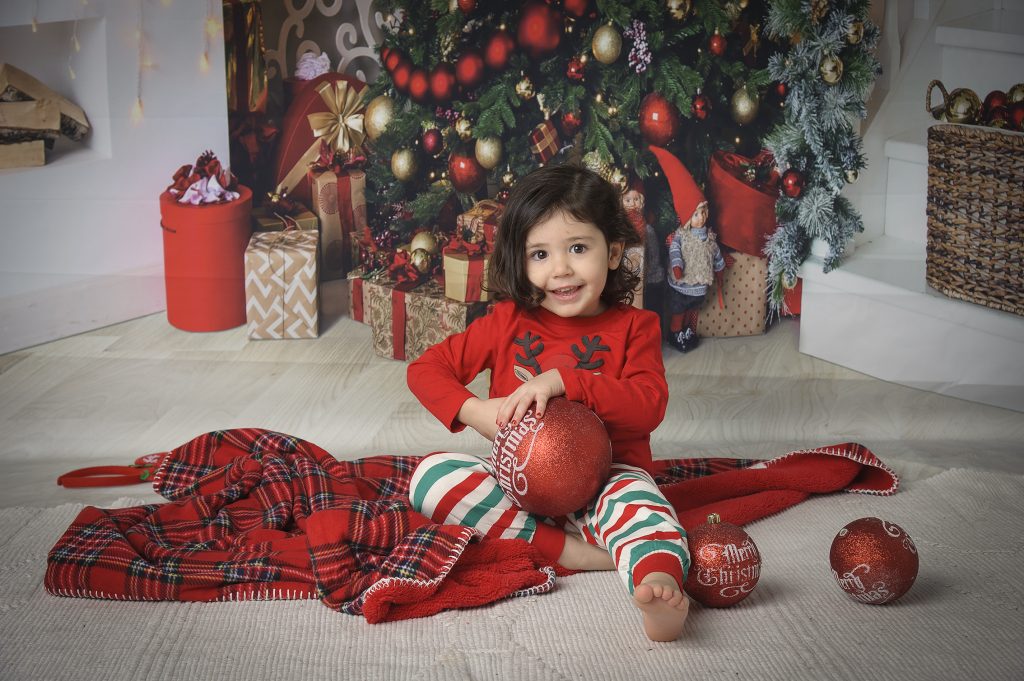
(80, 238)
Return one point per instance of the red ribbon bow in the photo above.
(459, 245)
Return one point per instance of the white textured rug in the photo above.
(963, 618)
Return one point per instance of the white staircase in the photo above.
(875, 313)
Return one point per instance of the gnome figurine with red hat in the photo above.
(693, 253)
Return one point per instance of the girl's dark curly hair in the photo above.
(578, 192)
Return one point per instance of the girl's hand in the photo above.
(481, 415)
(538, 389)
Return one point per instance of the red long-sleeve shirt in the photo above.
(610, 362)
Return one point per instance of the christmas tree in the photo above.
(477, 93)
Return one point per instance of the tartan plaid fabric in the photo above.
(255, 514)
(544, 141)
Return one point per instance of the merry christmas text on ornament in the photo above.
(510, 474)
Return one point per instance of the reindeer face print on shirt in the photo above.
(569, 260)
(531, 360)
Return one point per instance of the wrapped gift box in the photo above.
(465, 276)
(745, 297)
(339, 201)
(406, 321)
(266, 220)
(281, 292)
(357, 307)
(481, 221)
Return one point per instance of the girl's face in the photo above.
(569, 260)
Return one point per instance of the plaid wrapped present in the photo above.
(406, 320)
(544, 141)
(745, 298)
(281, 292)
(481, 221)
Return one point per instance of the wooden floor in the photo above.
(108, 396)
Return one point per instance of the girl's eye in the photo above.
(578, 249)
(538, 255)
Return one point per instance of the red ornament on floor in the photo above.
(555, 464)
(724, 563)
(873, 560)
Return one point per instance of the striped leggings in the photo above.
(630, 517)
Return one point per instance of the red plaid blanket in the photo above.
(255, 514)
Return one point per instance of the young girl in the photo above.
(563, 327)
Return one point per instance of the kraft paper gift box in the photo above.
(281, 291)
(745, 299)
(266, 220)
(481, 221)
(406, 321)
(358, 309)
(339, 201)
(465, 276)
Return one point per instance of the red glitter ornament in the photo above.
(498, 50)
(873, 560)
(540, 29)
(1016, 115)
(576, 8)
(793, 183)
(571, 123)
(466, 174)
(574, 70)
(716, 44)
(781, 89)
(469, 69)
(433, 141)
(419, 85)
(442, 83)
(659, 119)
(555, 464)
(400, 76)
(701, 107)
(992, 100)
(724, 564)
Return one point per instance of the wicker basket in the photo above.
(976, 215)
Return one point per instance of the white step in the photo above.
(983, 51)
(875, 314)
(906, 187)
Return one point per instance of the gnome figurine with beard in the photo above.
(693, 253)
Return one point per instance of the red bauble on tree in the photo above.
(571, 123)
(781, 90)
(793, 183)
(574, 70)
(469, 69)
(466, 174)
(401, 75)
(724, 563)
(701, 107)
(716, 44)
(659, 119)
(554, 464)
(874, 561)
(540, 29)
(442, 83)
(392, 59)
(498, 50)
(433, 141)
(419, 85)
(467, 6)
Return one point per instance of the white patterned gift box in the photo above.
(281, 291)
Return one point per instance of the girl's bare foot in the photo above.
(577, 554)
(664, 606)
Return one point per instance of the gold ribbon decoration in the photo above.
(341, 127)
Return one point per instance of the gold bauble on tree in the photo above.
(831, 69)
(855, 33)
(421, 260)
(743, 106)
(678, 9)
(463, 128)
(378, 115)
(852, 175)
(524, 88)
(508, 179)
(607, 44)
(403, 164)
(424, 241)
(488, 152)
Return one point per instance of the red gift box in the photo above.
(743, 214)
(298, 145)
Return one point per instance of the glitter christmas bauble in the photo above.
(607, 44)
(554, 464)
(744, 106)
(793, 183)
(378, 114)
(831, 69)
(433, 141)
(724, 563)
(525, 89)
(574, 69)
(717, 44)
(963, 106)
(425, 241)
(421, 260)
(873, 560)
(404, 165)
(659, 119)
(855, 32)
(466, 174)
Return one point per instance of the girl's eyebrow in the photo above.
(573, 239)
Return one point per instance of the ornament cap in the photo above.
(714, 518)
